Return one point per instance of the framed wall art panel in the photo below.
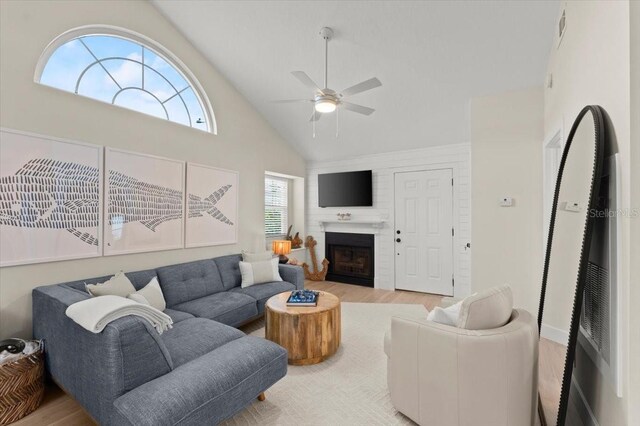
(144, 203)
(50, 199)
(212, 206)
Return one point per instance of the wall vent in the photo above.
(562, 26)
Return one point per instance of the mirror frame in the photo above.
(600, 140)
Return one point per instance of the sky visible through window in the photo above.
(119, 77)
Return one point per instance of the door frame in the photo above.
(457, 243)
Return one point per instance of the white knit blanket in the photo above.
(95, 313)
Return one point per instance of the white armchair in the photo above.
(442, 375)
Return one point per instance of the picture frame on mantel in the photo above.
(144, 203)
(51, 198)
(212, 206)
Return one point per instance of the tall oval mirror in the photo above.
(566, 262)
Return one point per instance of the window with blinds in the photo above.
(276, 197)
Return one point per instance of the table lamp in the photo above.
(281, 248)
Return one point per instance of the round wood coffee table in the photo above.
(309, 334)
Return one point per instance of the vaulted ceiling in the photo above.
(432, 58)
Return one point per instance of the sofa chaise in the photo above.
(201, 371)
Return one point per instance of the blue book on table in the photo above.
(303, 298)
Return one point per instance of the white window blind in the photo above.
(276, 197)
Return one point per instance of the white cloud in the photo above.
(128, 73)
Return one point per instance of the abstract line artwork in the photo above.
(131, 200)
(144, 203)
(50, 193)
(212, 206)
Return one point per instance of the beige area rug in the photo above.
(350, 388)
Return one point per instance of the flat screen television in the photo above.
(349, 189)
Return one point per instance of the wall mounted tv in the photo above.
(349, 189)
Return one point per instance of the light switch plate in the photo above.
(573, 206)
(506, 202)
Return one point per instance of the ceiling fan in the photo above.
(327, 100)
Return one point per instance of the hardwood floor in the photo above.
(60, 409)
(356, 293)
(551, 369)
(57, 409)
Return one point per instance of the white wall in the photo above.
(634, 290)
(383, 167)
(592, 66)
(506, 161)
(245, 142)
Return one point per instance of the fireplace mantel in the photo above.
(376, 224)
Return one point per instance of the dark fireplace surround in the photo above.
(351, 257)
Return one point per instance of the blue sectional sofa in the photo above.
(201, 371)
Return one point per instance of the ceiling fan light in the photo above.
(325, 106)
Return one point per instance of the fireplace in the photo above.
(350, 258)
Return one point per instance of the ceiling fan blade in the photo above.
(315, 116)
(306, 80)
(357, 108)
(372, 83)
(289, 101)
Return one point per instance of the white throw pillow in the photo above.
(259, 272)
(486, 309)
(256, 257)
(151, 295)
(447, 316)
(118, 285)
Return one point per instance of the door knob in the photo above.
(398, 240)
(398, 232)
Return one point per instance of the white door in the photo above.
(424, 231)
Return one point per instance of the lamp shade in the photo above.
(281, 246)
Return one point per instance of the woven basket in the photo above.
(21, 386)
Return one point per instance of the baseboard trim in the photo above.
(554, 334)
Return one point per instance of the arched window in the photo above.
(125, 69)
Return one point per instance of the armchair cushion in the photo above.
(487, 309)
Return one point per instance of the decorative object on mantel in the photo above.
(316, 275)
(344, 216)
(281, 248)
(21, 382)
